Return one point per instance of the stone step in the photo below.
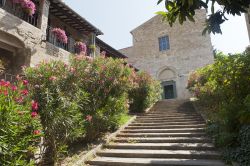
(170, 117)
(191, 134)
(139, 153)
(115, 161)
(183, 130)
(162, 140)
(165, 126)
(162, 146)
(168, 120)
(170, 113)
(166, 123)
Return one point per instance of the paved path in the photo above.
(172, 133)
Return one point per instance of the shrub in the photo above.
(145, 94)
(82, 99)
(224, 87)
(53, 86)
(107, 81)
(20, 127)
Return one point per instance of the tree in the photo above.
(185, 9)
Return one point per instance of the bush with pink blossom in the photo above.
(146, 92)
(20, 128)
(54, 88)
(80, 100)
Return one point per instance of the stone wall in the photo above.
(27, 42)
(188, 51)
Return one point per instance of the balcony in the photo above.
(70, 46)
(51, 38)
(16, 10)
(7, 77)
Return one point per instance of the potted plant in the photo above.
(80, 47)
(27, 5)
(60, 35)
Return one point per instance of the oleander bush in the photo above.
(107, 81)
(20, 128)
(65, 103)
(223, 87)
(80, 100)
(54, 88)
(146, 92)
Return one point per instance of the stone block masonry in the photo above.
(188, 50)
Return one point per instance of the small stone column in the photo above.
(44, 12)
(93, 44)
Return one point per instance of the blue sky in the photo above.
(116, 18)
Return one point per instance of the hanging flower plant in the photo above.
(27, 5)
(80, 47)
(60, 35)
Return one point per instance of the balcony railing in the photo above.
(7, 77)
(16, 10)
(53, 40)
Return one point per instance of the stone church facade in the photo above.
(170, 53)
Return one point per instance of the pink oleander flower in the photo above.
(19, 100)
(37, 132)
(72, 70)
(25, 82)
(34, 114)
(52, 78)
(60, 35)
(81, 47)
(5, 93)
(25, 92)
(34, 105)
(89, 118)
(14, 88)
(4, 83)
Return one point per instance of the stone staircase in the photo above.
(172, 133)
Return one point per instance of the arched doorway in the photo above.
(167, 76)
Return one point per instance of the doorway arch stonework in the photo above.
(168, 77)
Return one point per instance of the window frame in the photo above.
(163, 43)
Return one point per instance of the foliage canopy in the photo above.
(185, 9)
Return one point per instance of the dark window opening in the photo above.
(164, 43)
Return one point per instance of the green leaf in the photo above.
(190, 18)
(162, 13)
(159, 1)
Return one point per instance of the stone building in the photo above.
(170, 53)
(27, 40)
